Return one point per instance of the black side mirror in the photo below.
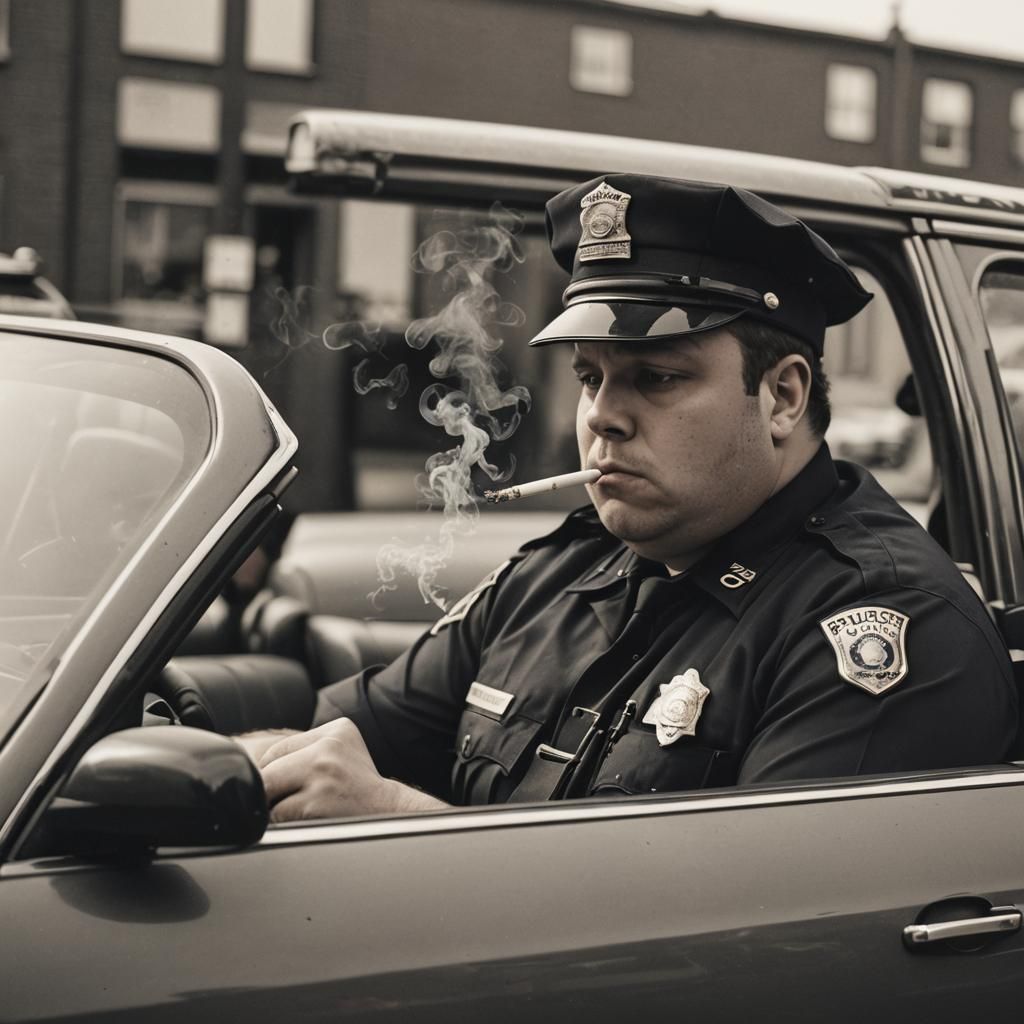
(139, 789)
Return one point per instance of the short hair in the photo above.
(763, 346)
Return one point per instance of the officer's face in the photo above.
(686, 454)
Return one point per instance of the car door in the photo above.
(781, 903)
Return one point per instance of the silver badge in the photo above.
(870, 646)
(603, 216)
(676, 710)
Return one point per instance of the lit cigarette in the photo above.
(550, 483)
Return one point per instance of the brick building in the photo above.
(132, 131)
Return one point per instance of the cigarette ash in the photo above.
(467, 335)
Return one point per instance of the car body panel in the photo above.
(672, 906)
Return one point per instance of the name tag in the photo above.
(488, 698)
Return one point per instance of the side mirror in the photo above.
(155, 786)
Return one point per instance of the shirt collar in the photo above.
(736, 568)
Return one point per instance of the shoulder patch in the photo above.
(460, 609)
(870, 646)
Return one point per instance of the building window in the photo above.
(158, 270)
(374, 272)
(190, 30)
(5, 29)
(851, 103)
(601, 60)
(279, 36)
(1017, 125)
(179, 116)
(947, 110)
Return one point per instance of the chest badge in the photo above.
(676, 711)
(870, 646)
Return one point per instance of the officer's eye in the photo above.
(588, 380)
(649, 378)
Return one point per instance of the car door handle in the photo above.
(1002, 919)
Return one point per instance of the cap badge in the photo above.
(603, 216)
(675, 712)
(869, 645)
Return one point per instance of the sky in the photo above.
(991, 27)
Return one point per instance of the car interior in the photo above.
(322, 614)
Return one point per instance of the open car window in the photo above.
(1001, 292)
(875, 418)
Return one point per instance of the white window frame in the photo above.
(851, 102)
(601, 60)
(948, 92)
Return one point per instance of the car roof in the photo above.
(394, 154)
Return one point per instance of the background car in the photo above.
(138, 876)
(24, 291)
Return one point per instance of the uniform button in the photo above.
(621, 572)
(636, 657)
(618, 777)
(816, 521)
(466, 740)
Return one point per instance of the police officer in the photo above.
(733, 607)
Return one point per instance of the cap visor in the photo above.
(631, 321)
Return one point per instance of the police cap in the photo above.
(658, 257)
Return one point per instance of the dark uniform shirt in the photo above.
(834, 637)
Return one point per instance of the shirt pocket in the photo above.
(488, 751)
(639, 764)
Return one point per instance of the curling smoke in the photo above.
(467, 335)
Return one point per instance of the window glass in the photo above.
(178, 116)
(279, 36)
(107, 439)
(162, 253)
(947, 110)
(601, 60)
(851, 95)
(375, 272)
(183, 30)
(1002, 304)
(875, 421)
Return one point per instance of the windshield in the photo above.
(97, 444)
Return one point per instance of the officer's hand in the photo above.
(256, 744)
(328, 773)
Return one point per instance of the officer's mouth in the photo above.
(615, 474)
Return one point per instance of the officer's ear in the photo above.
(788, 387)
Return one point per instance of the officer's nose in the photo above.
(608, 415)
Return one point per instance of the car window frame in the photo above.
(975, 249)
(625, 808)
